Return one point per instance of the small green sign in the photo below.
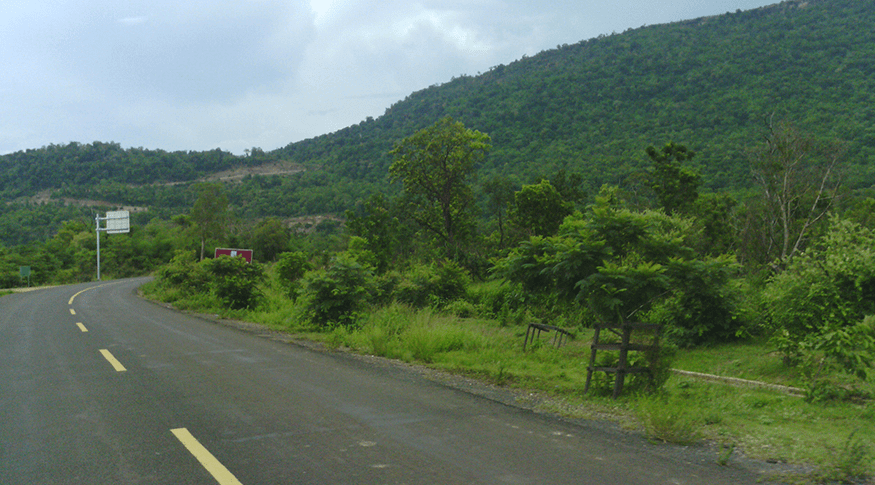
(24, 271)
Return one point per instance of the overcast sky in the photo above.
(236, 74)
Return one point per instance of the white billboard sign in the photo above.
(118, 222)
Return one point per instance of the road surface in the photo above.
(100, 386)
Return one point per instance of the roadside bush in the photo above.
(433, 285)
(339, 293)
(461, 308)
(817, 308)
(235, 282)
(184, 274)
(498, 297)
(701, 306)
(290, 268)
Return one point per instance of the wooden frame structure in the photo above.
(624, 331)
(535, 329)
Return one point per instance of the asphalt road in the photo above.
(99, 386)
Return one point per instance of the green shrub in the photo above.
(433, 285)
(701, 307)
(339, 293)
(184, 273)
(235, 282)
(498, 297)
(290, 268)
(461, 308)
(819, 307)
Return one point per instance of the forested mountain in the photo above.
(593, 106)
(589, 107)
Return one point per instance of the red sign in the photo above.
(233, 253)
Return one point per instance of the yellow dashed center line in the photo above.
(112, 360)
(207, 460)
(72, 311)
(81, 327)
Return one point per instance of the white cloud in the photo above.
(134, 20)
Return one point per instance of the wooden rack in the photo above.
(624, 331)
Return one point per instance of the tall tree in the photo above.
(434, 165)
(209, 214)
(499, 193)
(676, 187)
(799, 180)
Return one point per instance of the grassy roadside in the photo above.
(834, 438)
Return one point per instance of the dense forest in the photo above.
(588, 108)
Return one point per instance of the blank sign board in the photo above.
(118, 222)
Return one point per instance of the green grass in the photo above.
(754, 360)
(760, 423)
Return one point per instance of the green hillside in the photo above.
(590, 108)
(593, 106)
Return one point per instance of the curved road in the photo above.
(100, 386)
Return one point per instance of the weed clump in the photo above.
(667, 421)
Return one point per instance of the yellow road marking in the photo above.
(216, 469)
(86, 289)
(112, 360)
(72, 311)
(81, 327)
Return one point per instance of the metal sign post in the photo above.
(117, 222)
(24, 272)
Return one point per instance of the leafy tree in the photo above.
(568, 186)
(269, 238)
(798, 180)
(434, 165)
(539, 209)
(624, 265)
(714, 217)
(209, 214)
(375, 221)
(676, 187)
(829, 286)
